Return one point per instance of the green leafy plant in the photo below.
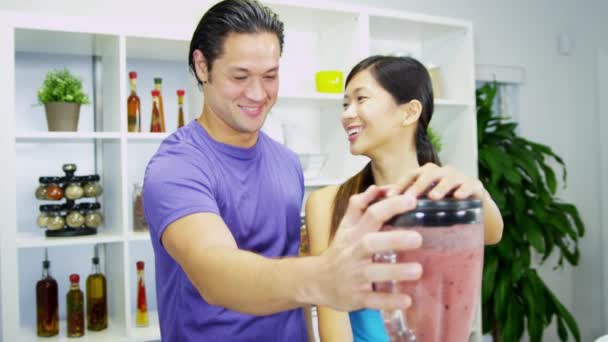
(519, 174)
(435, 139)
(62, 86)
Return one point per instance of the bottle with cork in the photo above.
(133, 106)
(155, 123)
(47, 305)
(75, 307)
(161, 109)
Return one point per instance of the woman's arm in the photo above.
(439, 181)
(334, 326)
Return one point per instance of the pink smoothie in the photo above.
(445, 298)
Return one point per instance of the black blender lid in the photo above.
(447, 204)
(439, 213)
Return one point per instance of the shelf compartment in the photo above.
(94, 58)
(446, 44)
(57, 137)
(114, 333)
(30, 262)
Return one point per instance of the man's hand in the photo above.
(347, 274)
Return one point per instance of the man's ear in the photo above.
(200, 65)
(411, 112)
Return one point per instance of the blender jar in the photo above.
(444, 299)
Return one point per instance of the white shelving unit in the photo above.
(319, 36)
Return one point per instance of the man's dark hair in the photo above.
(228, 16)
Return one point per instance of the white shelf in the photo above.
(33, 240)
(138, 236)
(147, 136)
(53, 137)
(149, 333)
(112, 333)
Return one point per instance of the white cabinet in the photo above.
(101, 51)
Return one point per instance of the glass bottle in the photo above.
(180, 111)
(155, 125)
(97, 303)
(161, 109)
(133, 106)
(47, 305)
(139, 218)
(75, 308)
(141, 318)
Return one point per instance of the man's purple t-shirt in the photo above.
(258, 192)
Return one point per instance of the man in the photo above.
(223, 202)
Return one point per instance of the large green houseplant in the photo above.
(62, 94)
(520, 176)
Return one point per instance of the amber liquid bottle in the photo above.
(155, 120)
(133, 106)
(97, 303)
(180, 110)
(141, 318)
(75, 308)
(161, 109)
(47, 305)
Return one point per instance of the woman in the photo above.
(388, 104)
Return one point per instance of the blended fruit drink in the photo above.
(451, 255)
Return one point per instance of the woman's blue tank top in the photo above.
(367, 326)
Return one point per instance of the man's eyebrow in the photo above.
(241, 69)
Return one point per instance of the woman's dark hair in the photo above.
(405, 79)
(231, 16)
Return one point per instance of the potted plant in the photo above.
(62, 94)
(518, 175)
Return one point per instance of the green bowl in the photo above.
(330, 81)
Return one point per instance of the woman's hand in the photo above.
(439, 181)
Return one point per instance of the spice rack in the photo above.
(70, 218)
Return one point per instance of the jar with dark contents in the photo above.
(54, 191)
(92, 188)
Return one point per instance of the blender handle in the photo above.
(395, 320)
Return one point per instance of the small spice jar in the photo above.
(41, 189)
(93, 218)
(56, 220)
(43, 218)
(74, 190)
(75, 219)
(92, 188)
(54, 191)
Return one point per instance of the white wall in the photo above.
(558, 101)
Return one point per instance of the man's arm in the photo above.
(249, 283)
(227, 276)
